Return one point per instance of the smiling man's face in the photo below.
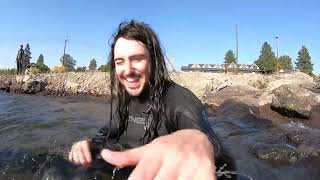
(132, 65)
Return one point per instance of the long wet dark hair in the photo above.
(158, 82)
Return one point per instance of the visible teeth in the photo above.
(132, 79)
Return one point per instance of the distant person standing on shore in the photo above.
(19, 60)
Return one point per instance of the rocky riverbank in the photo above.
(59, 84)
(276, 97)
(246, 108)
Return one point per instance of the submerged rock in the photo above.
(295, 146)
(295, 137)
(278, 154)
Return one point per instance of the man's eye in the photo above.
(138, 59)
(119, 62)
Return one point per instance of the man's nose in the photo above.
(128, 69)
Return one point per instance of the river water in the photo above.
(37, 129)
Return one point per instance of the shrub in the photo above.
(58, 69)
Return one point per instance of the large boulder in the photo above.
(33, 86)
(272, 82)
(5, 85)
(5, 82)
(16, 87)
(72, 86)
(245, 93)
(317, 84)
(293, 101)
(19, 78)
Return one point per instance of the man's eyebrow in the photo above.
(118, 58)
(137, 56)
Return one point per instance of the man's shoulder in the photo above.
(177, 89)
(180, 94)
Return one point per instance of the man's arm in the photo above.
(189, 113)
(81, 152)
(195, 118)
(174, 156)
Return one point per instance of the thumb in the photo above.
(124, 158)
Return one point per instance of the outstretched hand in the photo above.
(185, 154)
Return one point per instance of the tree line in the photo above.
(268, 62)
(68, 63)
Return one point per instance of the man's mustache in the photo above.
(132, 75)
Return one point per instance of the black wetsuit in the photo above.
(183, 110)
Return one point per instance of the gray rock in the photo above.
(295, 137)
(33, 86)
(245, 94)
(278, 154)
(308, 151)
(317, 84)
(16, 87)
(293, 101)
(5, 85)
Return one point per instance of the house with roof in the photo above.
(219, 68)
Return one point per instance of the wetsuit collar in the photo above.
(144, 96)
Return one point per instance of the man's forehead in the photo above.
(128, 47)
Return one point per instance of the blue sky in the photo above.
(194, 31)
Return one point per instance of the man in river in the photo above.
(164, 123)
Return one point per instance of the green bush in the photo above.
(33, 71)
(105, 68)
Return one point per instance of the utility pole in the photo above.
(64, 51)
(277, 53)
(237, 45)
(170, 62)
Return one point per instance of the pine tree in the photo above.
(68, 62)
(27, 55)
(285, 62)
(81, 69)
(93, 64)
(267, 59)
(40, 64)
(40, 59)
(229, 57)
(303, 62)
